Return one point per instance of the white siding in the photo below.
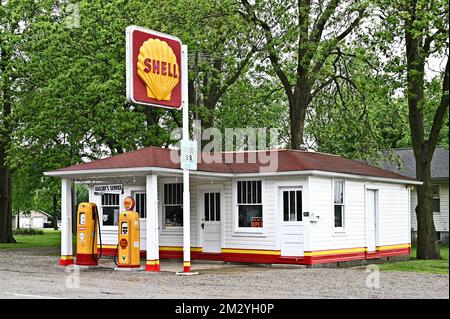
(393, 215)
(268, 239)
(441, 218)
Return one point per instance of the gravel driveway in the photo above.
(33, 273)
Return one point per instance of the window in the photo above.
(173, 205)
(110, 209)
(250, 204)
(212, 207)
(292, 206)
(436, 199)
(141, 199)
(339, 204)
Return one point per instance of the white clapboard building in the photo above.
(283, 206)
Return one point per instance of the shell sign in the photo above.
(153, 68)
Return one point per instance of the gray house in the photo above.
(404, 164)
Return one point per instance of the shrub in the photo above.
(28, 231)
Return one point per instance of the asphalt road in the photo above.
(34, 273)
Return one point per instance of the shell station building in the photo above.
(314, 208)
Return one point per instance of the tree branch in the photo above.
(438, 120)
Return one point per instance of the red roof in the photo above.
(253, 162)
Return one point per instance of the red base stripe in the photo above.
(273, 259)
(187, 268)
(128, 266)
(65, 262)
(86, 260)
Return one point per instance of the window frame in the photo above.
(292, 189)
(338, 229)
(139, 192)
(247, 231)
(102, 206)
(164, 205)
(436, 198)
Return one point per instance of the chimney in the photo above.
(303, 147)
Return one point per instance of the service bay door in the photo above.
(372, 219)
(210, 224)
(291, 211)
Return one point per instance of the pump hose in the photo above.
(115, 255)
(97, 223)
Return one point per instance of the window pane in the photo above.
(339, 192)
(141, 199)
(174, 216)
(436, 205)
(166, 194)
(250, 216)
(286, 206)
(239, 192)
(244, 192)
(206, 207)
(435, 189)
(292, 206)
(299, 206)
(110, 216)
(338, 215)
(259, 192)
(211, 207)
(217, 207)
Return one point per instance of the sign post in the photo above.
(185, 144)
(157, 75)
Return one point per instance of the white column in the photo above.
(152, 240)
(66, 223)
(186, 194)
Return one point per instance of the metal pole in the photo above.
(186, 193)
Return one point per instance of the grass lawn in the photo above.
(429, 266)
(50, 238)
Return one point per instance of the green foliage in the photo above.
(28, 231)
(51, 238)
(424, 266)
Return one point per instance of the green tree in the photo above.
(421, 29)
(300, 38)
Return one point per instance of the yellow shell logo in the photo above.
(157, 66)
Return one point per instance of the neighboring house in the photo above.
(309, 208)
(34, 219)
(406, 165)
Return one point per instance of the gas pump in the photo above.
(88, 230)
(128, 248)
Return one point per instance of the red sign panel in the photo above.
(153, 68)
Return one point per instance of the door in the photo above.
(291, 210)
(140, 199)
(372, 215)
(210, 224)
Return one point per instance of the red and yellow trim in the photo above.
(152, 265)
(186, 266)
(274, 256)
(66, 260)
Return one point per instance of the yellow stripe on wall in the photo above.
(165, 248)
(393, 247)
(334, 252)
(250, 251)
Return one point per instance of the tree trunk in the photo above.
(5, 172)
(55, 213)
(427, 247)
(298, 104)
(5, 201)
